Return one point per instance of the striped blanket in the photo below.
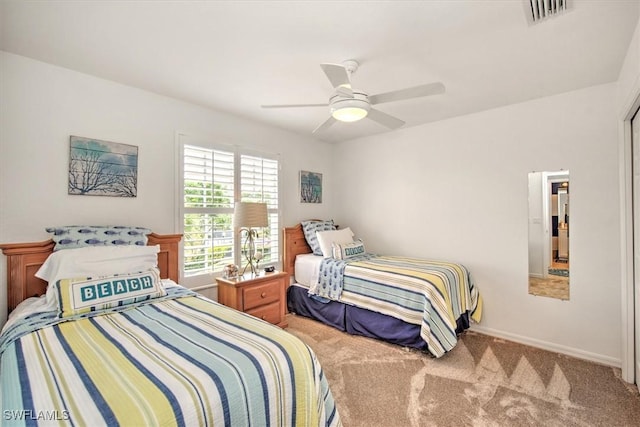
(432, 294)
(184, 361)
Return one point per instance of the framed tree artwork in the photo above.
(102, 168)
(310, 187)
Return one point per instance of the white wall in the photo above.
(629, 77)
(627, 103)
(42, 105)
(457, 190)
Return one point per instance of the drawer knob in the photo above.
(263, 295)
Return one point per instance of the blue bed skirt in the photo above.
(360, 321)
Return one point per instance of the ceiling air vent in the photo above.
(539, 10)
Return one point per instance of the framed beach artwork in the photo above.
(310, 187)
(102, 168)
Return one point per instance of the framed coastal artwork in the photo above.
(102, 168)
(310, 187)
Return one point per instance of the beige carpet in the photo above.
(484, 381)
(552, 286)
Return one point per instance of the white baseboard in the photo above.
(569, 351)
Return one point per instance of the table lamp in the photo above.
(246, 217)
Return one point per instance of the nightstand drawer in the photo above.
(270, 312)
(262, 294)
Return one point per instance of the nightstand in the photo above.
(262, 296)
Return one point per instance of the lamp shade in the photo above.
(250, 215)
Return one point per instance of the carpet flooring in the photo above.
(552, 286)
(483, 381)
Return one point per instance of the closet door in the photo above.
(635, 132)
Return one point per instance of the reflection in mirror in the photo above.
(549, 234)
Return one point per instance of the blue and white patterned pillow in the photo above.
(80, 236)
(310, 227)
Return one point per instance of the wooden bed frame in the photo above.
(294, 244)
(24, 260)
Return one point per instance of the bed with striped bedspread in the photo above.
(432, 294)
(182, 360)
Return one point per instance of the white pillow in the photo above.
(95, 261)
(327, 238)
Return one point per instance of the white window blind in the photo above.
(208, 209)
(212, 180)
(259, 183)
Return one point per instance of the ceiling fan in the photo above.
(350, 105)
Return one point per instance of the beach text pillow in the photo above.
(348, 250)
(83, 295)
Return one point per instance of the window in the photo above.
(259, 183)
(212, 180)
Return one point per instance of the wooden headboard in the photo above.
(24, 260)
(294, 244)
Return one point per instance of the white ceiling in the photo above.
(235, 56)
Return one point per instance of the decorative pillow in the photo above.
(310, 227)
(348, 250)
(83, 295)
(326, 238)
(78, 236)
(95, 261)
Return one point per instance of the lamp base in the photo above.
(253, 269)
(249, 251)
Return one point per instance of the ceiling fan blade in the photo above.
(326, 125)
(384, 119)
(337, 75)
(412, 92)
(294, 105)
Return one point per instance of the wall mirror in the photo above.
(549, 255)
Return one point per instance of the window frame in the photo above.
(208, 278)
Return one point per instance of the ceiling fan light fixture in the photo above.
(349, 114)
(350, 110)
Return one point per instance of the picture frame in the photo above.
(310, 187)
(102, 168)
